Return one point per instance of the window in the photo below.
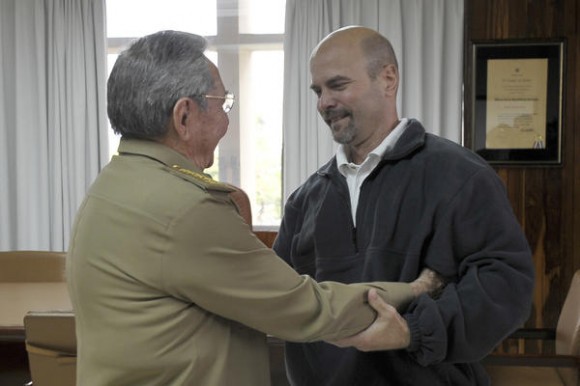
(245, 41)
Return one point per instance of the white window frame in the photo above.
(233, 52)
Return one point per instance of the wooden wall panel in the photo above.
(546, 200)
(573, 148)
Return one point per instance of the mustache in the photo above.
(331, 114)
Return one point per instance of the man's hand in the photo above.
(429, 282)
(389, 331)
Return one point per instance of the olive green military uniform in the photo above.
(170, 286)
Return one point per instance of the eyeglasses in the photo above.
(229, 100)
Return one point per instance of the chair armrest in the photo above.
(534, 360)
(534, 333)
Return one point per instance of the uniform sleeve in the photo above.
(217, 263)
(479, 245)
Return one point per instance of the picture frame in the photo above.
(517, 101)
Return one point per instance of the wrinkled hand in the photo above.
(389, 331)
(429, 282)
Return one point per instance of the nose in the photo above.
(325, 100)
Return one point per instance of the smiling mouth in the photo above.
(335, 117)
(334, 122)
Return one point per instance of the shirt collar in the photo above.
(387, 144)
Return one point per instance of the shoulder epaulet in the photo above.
(200, 179)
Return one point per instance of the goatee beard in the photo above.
(347, 134)
(344, 136)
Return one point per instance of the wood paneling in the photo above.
(546, 200)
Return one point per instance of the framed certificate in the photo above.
(517, 111)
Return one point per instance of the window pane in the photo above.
(262, 133)
(262, 16)
(251, 152)
(214, 170)
(136, 18)
(113, 138)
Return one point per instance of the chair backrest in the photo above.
(31, 281)
(32, 266)
(51, 345)
(568, 328)
(242, 202)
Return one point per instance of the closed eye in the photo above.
(316, 90)
(338, 83)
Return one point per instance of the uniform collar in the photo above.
(156, 151)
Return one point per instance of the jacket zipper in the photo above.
(354, 240)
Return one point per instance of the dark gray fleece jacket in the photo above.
(429, 202)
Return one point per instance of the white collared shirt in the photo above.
(356, 174)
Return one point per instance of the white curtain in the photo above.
(427, 36)
(53, 128)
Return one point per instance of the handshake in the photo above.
(390, 331)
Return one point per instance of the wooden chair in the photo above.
(29, 280)
(541, 369)
(52, 347)
(242, 201)
(32, 266)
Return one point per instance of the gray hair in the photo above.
(150, 77)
